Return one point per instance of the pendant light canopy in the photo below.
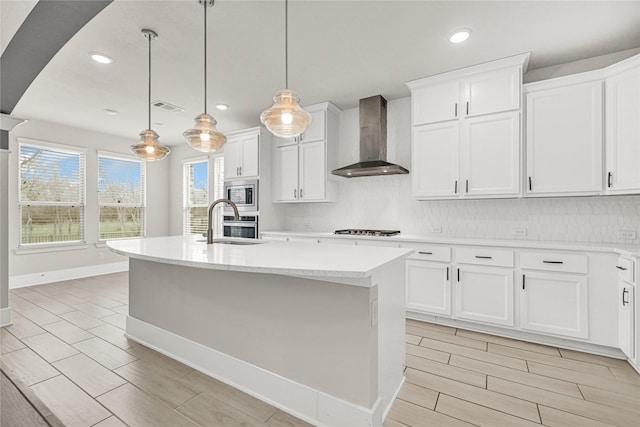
(149, 148)
(286, 118)
(204, 136)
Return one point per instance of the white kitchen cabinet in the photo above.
(301, 166)
(622, 127)
(484, 294)
(434, 160)
(466, 132)
(484, 89)
(428, 287)
(241, 155)
(626, 306)
(554, 303)
(491, 154)
(564, 136)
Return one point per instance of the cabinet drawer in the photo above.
(554, 261)
(626, 270)
(485, 256)
(429, 252)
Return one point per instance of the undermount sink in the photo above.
(233, 241)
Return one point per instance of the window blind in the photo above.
(218, 193)
(196, 196)
(51, 194)
(121, 196)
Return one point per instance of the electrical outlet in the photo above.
(436, 229)
(627, 234)
(519, 231)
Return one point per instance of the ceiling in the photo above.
(338, 50)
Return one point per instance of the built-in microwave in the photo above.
(243, 193)
(246, 227)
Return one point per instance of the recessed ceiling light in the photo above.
(110, 111)
(459, 35)
(222, 106)
(101, 57)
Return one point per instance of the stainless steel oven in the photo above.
(243, 193)
(246, 227)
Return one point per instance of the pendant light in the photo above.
(204, 136)
(149, 148)
(285, 118)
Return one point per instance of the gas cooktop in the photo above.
(363, 232)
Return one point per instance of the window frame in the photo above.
(186, 163)
(143, 190)
(82, 203)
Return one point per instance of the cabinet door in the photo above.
(485, 294)
(285, 175)
(428, 287)
(434, 160)
(492, 92)
(564, 139)
(623, 132)
(232, 158)
(554, 304)
(313, 171)
(436, 103)
(491, 154)
(625, 319)
(250, 156)
(316, 129)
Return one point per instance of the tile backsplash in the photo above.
(385, 202)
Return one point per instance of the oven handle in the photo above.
(246, 224)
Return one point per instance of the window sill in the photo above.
(50, 248)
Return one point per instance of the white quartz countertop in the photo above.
(266, 257)
(620, 248)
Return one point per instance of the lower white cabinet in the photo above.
(554, 303)
(429, 287)
(626, 319)
(484, 294)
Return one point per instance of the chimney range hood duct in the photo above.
(373, 142)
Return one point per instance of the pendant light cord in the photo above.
(149, 37)
(286, 44)
(204, 3)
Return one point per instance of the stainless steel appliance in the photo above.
(365, 232)
(243, 193)
(246, 226)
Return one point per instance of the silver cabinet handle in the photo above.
(552, 262)
(301, 193)
(621, 268)
(240, 170)
(455, 114)
(483, 257)
(425, 253)
(295, 193)
(624, 302)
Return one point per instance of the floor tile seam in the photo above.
(517, 381)
(490, 408)
(223, 403)
(449, 378)
(550, 363)
(593, 363)
(602, 377)
(427, 358)
(578, 415)
(42, 357)
(472, 354)
(41, 381)
(453, 343)
(604, 390)
(514, 340)
(86, 391)
(102, 364)
(564, 409)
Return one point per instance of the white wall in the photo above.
(385, 202)
(157, 217)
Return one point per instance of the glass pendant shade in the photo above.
(285, 118)
(149, 148)
(204, 136)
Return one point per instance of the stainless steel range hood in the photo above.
(373, 142)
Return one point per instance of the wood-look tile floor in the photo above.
(67, 345)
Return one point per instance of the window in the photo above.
(121, 198)
(52, 194)
(195, 177)
(218, 193)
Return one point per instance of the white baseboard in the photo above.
(297, 399)
(67, 274)
(5, 316)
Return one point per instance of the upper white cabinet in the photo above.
(622, 127)
(466, 131)
(302, 165)
(564, 136)
(242, 155)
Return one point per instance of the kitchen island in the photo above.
(317, 331)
